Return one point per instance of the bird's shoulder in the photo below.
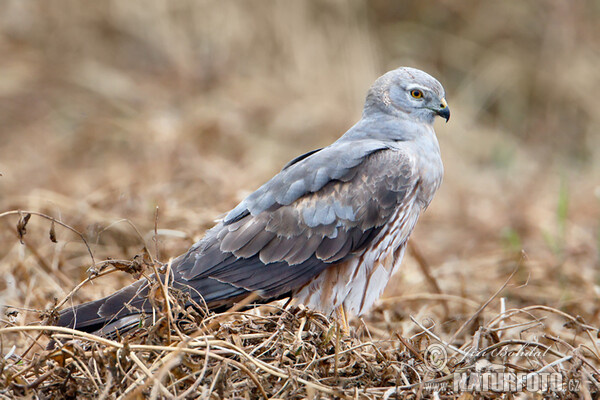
(340, 162)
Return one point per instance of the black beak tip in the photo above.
(444, 113)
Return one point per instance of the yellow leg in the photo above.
(343, 320)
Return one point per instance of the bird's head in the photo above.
(408, 93)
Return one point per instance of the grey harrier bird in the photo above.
(329, 230)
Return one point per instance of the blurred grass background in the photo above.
(109, 109)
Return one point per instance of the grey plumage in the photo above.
(328, 230)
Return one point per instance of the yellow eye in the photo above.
(416, 93)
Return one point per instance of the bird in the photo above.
(328, 231)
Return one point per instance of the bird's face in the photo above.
(421, 101)
(409, 92)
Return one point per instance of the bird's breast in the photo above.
(429, 168)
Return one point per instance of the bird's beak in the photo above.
(443, 111)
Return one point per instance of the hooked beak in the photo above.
(443, 110)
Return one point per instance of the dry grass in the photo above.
(112, 109)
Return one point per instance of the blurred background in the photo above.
(110, 109)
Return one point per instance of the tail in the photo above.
(117, 312)
(128, 307)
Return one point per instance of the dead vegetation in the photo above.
(274, 352)
(127, 127)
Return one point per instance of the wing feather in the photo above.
(276, 250)
(303, 250)
(243, 235)
(331, 246)
(256, 244)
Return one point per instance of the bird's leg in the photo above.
(343, 320)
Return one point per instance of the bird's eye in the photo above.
(416, 93)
